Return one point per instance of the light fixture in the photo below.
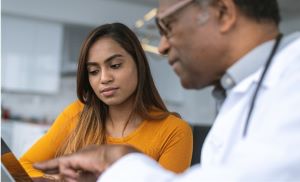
(150, 14)
(150, 48)
(146, 34)
(139, 23)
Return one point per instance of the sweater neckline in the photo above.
(127, 137)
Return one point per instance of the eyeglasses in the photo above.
(160, 20)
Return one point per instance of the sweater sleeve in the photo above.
(176, 155)
(46, 147)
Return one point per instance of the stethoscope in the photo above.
(268, 63)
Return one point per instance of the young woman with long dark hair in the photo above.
(118, 103)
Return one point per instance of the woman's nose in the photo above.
(106, 76)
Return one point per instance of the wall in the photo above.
(290, 24)
(91, 12)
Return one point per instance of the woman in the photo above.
(118, 104)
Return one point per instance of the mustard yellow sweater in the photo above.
(168, 141)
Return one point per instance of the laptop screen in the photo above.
(12, 165)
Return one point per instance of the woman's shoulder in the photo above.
(176, 122)
(169, 128)
(74, 108)
(171, 123)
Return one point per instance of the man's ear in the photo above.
(226, 12)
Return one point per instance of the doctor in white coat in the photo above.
(235, 45)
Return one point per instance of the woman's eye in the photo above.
(93, 72)
(115, 66)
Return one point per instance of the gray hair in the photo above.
(204, 16)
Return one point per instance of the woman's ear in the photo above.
(226, 13)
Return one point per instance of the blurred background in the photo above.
(40, 45)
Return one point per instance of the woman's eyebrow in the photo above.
(112, 57)
(93, 63)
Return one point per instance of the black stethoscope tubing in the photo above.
(253, 100)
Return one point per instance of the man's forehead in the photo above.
(165, 4)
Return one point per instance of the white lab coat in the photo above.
(269, 152)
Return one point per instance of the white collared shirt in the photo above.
(269, 152)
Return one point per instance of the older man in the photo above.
(235, 45)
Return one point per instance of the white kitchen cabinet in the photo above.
(31, 55)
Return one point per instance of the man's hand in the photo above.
(91, 161)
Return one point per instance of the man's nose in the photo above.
(164, 45)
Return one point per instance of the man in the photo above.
(236, 46)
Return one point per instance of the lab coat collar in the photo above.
(276, 68)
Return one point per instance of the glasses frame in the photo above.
(159, 20)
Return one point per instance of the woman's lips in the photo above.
(108, 92)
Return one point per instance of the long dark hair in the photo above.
(147, 101)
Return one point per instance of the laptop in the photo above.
(12, 166)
